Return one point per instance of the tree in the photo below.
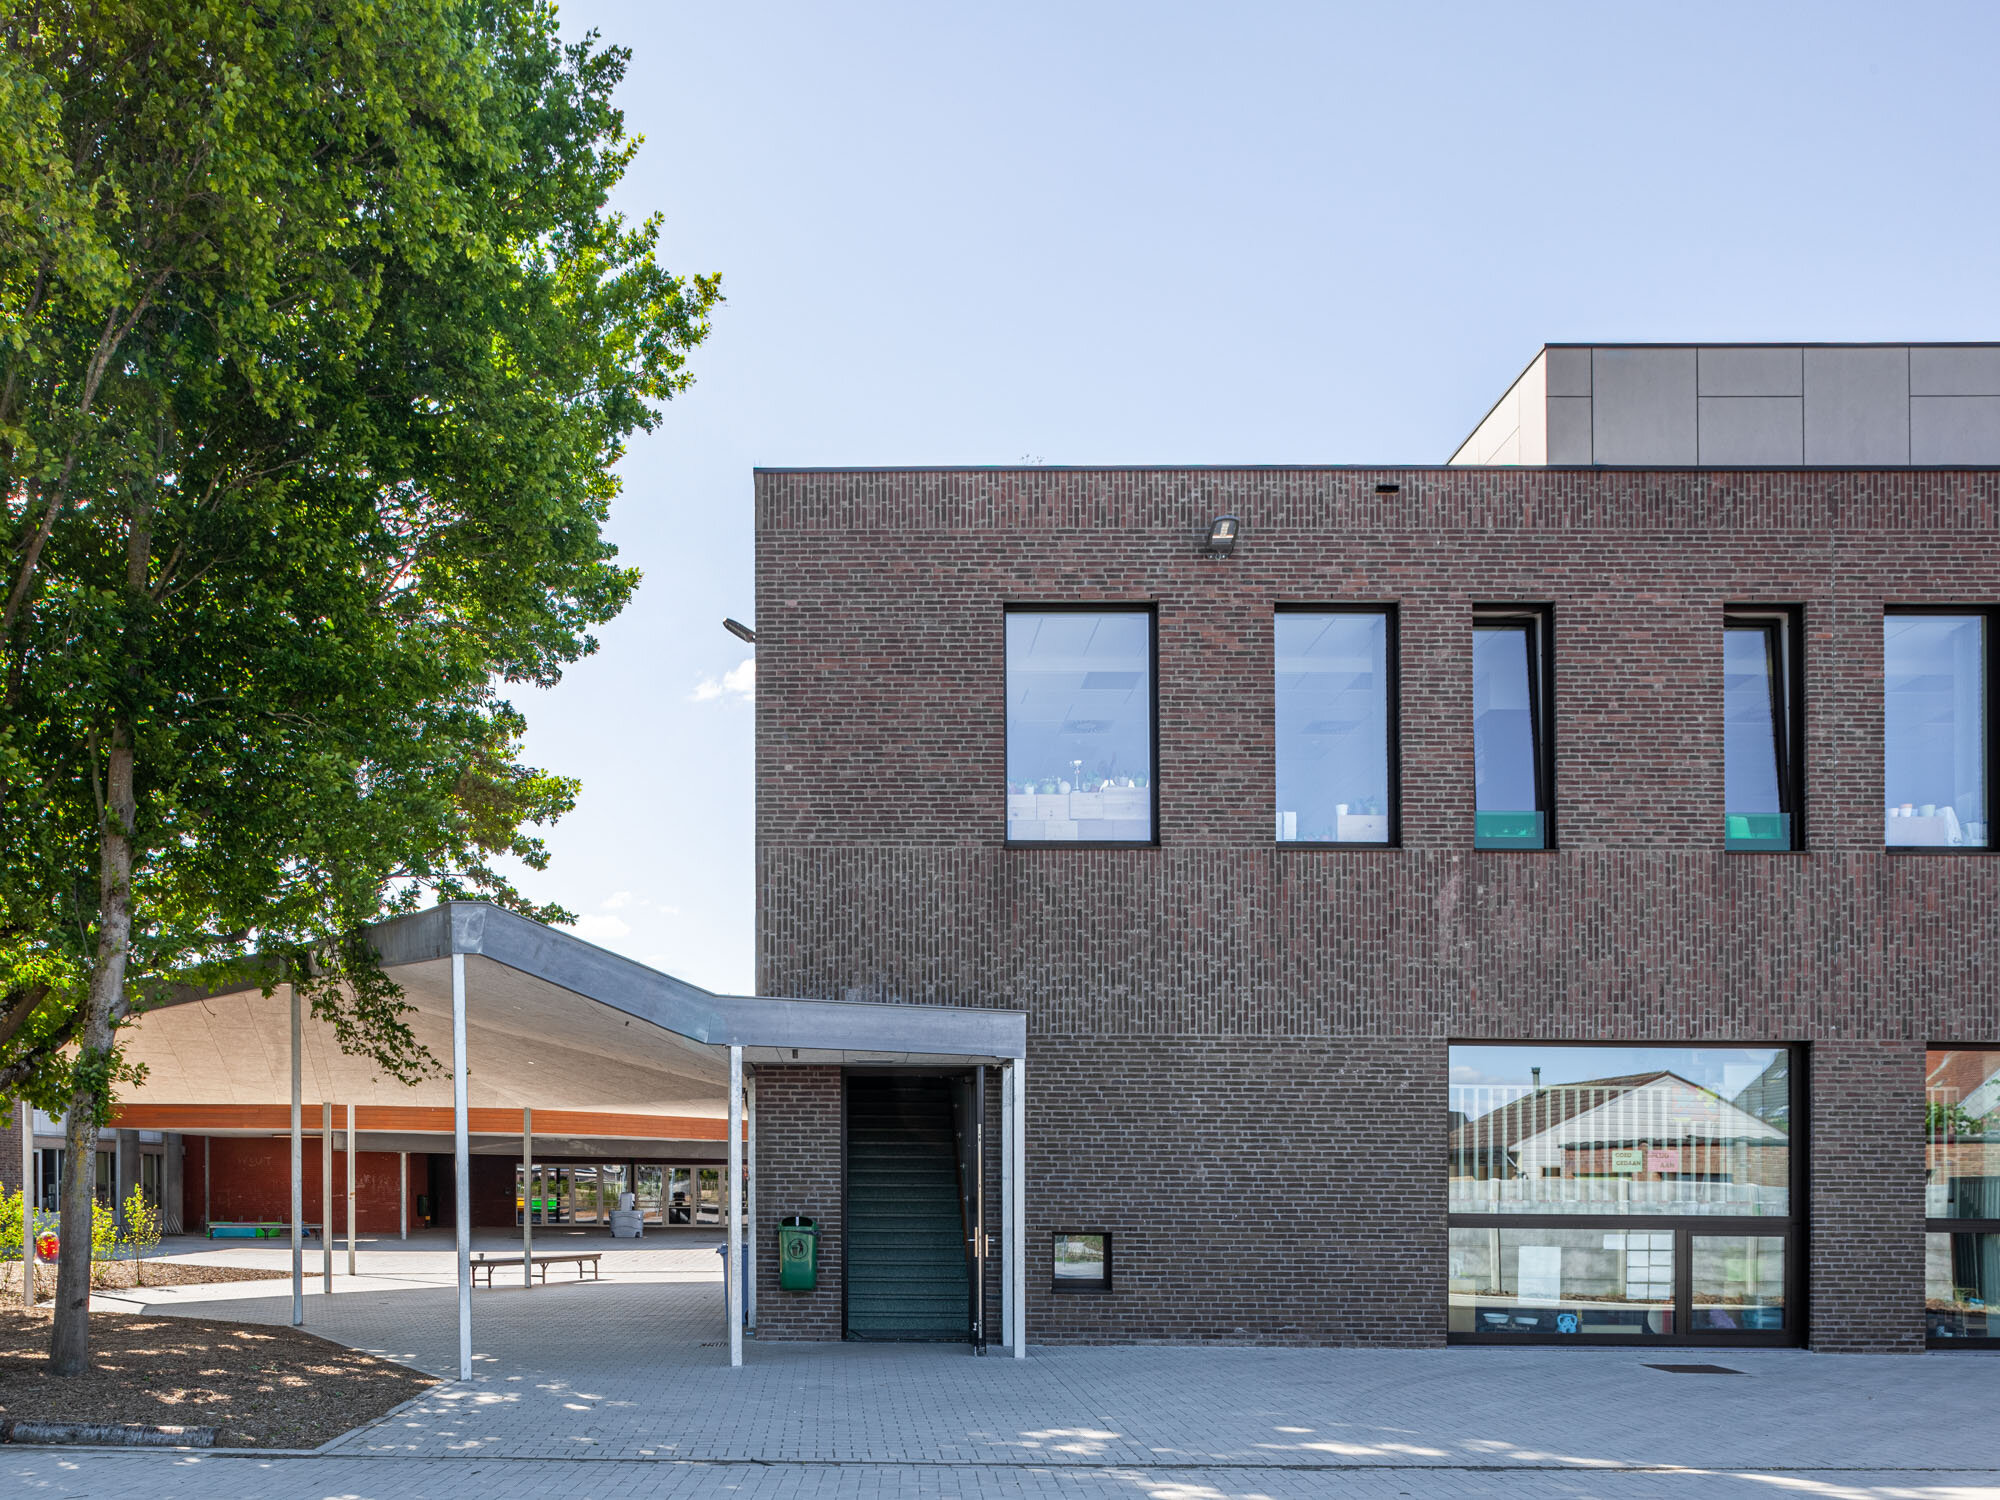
(318, 344)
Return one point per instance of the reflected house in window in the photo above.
(1644, 1143)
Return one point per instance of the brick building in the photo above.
(1626, 779)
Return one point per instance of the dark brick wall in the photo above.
(1867, 1195)
(1271, 1192)
(881, 871)
(798, 1172)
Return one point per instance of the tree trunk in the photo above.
(69, 1343)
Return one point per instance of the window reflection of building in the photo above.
(1962, 1194)
(1608, 1163)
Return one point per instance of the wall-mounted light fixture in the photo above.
(741, 631)
(1222, 535)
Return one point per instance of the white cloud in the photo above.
(597, 929)
(739, 682)
(616, 900)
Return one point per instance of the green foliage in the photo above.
(103, 1232)
(1952, 1121)
(10, 1223)
(318, 344)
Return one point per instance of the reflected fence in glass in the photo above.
(1543, 1280)
(1652, 1142)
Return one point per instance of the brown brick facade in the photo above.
(1278, 1016)
(798, 1173)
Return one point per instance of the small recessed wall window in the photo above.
(1513, 747)
(1335, 721)
(1080, 726)
(1936, 742)
(1082, 1261)
(1761, 719)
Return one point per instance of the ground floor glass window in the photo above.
(1621, 1193)
(1962, 1195)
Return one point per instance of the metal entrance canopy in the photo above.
(532, 1017)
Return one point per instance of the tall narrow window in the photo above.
(1760, 765)
(1335, 720)
(1511, 744)
(1935, 750)
(1080, 725)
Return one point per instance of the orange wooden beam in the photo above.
(421, 1119)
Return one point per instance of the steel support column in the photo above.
(528, 1196)
(350, 1189)
(461, 1154)
(326, 1195)
(733, 1275)
(298, 1167)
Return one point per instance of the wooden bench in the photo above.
(489, 1264)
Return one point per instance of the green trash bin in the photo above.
(798, 1254)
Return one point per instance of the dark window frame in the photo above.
(1540, 620)
(1784, 624)
(1148, 608)
(1990, 613)
(1393, 707)
(1075, 1286)
(1959, 1226)
(1792, 1227)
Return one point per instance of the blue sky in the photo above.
(1167, 233)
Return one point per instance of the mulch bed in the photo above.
(259, 1386)
(119, 1275)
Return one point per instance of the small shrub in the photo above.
(142, 1231)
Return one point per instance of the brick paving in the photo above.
(621, 1388)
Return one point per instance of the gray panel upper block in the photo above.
(1955, 429)
(1754, 431)
(1775, 371)
(1858, 406)
(1642, 406)
(1568, 371)
(1973, 371)
(1569, 430)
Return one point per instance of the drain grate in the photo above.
(1695, 1369)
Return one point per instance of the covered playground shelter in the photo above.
(605, 1057)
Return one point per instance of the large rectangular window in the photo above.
(1080, 725)
(1962, 1195)
(1621, 1192)
(1936, 755)
(1760, 730)
(1335, 718)
(1512, 743)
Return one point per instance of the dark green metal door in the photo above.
(906, 1272)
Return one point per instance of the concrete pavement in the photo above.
(623, 1388)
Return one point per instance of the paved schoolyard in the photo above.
(622, 1388)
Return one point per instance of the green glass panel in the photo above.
(1759, 830)
(1507, 830)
